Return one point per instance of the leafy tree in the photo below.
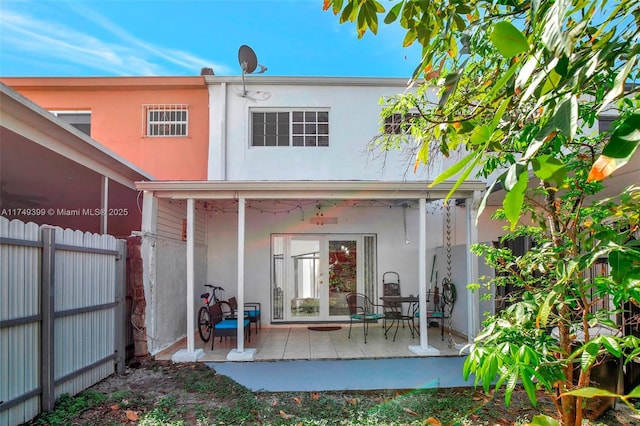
(516, 88)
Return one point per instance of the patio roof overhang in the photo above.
(356, 190)
(193, 191)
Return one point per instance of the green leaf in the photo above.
(526, 70)
(529, 387)
(618, 86)
(508, 39)
(393, 13)
(548, 168)
(409, 38)
(500, 113)
(544, 420)
(502, 82)
(565, 117)
(545, 309)
(612, 345)
(551, 83)
(480, 135)
(453, 170)
(590, 392)
(514, 199)
(619, 150)
(625, 139)
(635, 393)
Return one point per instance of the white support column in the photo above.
(423, 348)
(240, 353)
(473, 301)
(149, 213)
(104, 204)
(190, 354)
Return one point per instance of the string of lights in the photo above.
(276, 207)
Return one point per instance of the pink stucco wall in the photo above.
(117, 117)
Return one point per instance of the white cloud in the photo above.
(56, 43)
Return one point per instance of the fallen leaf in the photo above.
(413, 413)
(274, 402)
(115, 407)
(131, 415)
(432, 421)
(315, 396)
(297, 400)
(353, 401)
(285, 415)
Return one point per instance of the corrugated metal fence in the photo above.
(61, 315)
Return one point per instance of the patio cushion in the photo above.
(368, 317)
(229, 324)
(252, 312)
(431, 314)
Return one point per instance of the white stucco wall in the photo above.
(393, 253)
(354, 120)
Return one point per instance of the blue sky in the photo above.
(179, 37)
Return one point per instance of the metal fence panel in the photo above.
(58, 328)
(19, 309)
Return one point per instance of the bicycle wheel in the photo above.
(204, 324)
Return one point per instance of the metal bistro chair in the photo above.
(393, 311)
(226, 327)
(361, 308)
(251, 309)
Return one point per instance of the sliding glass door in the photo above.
(312, 274)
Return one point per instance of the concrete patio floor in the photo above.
(297, 342)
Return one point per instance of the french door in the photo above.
(312, 274)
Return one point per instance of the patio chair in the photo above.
(361, 308)
(393, 311)
(391, 283)
(226, 327)
(251, 309)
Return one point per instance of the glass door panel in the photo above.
(311, 275)
(306, 277)
(343, 275)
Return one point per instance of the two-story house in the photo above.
(300, 208)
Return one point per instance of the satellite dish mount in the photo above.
(248, 62)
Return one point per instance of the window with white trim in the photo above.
(394, 123)
(298, 127)
(166, 120)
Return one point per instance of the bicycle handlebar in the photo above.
(214, 287)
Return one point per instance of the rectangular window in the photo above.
(168, 120)
(393, 125)
(270, 129)
(605, 122)
(290, 128)
(81, 120)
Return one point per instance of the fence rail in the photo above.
(62, 325)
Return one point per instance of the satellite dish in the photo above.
(248, 59)
(248, 62)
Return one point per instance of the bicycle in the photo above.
(204, 316)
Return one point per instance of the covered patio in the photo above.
(211, 245)
(298, 342)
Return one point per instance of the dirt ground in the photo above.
(146, 382)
